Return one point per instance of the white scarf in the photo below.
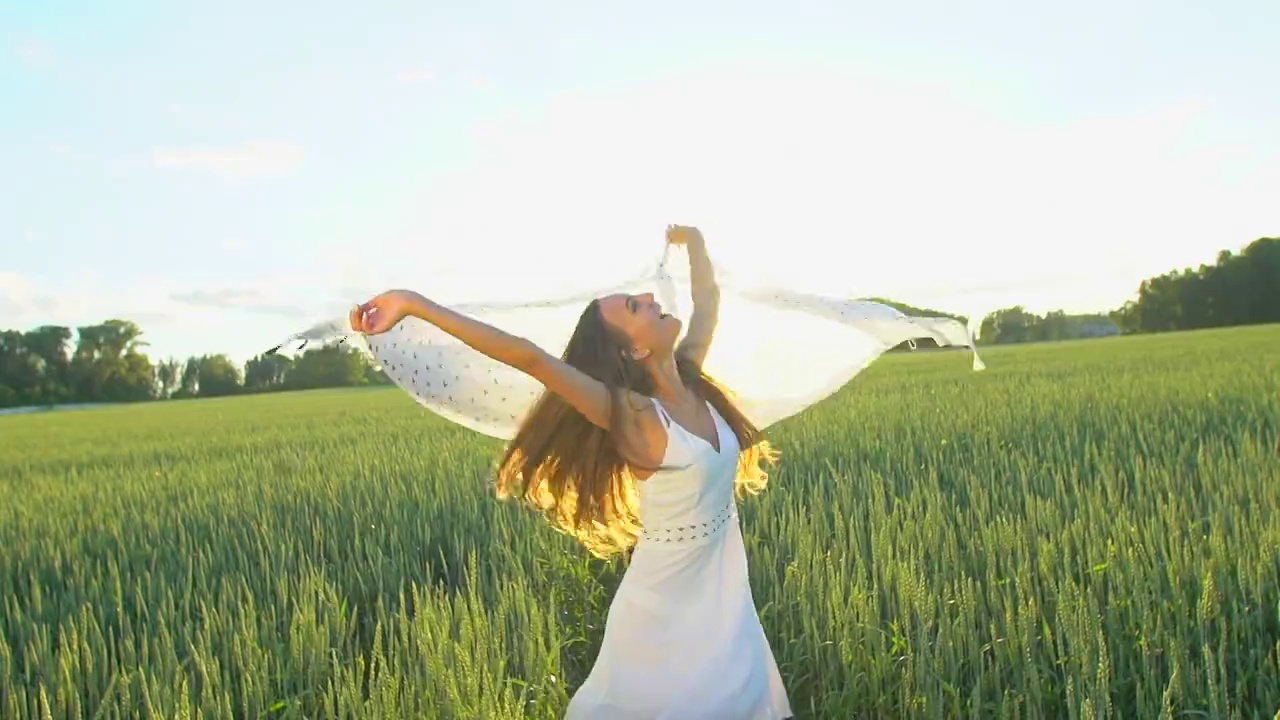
(778, 351)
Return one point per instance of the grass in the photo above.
(1085, 530)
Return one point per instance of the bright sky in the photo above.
(227, 173)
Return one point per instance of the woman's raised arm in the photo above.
(706, 293)
(586, 394)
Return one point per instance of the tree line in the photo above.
(106, 363)
(1238, 289)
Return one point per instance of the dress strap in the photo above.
(662, 413)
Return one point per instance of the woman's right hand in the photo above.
(383, 311)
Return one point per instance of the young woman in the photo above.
(634, 447)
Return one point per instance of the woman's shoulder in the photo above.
(649, 432)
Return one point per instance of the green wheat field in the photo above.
(1086, 530)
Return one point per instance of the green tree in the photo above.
(913, 310)
(168, 376)
(50, 346)
(1127, 317)
(376, 375)
(217, 376)
(108, 366)
(1008, 325)
(332, 366)
(189, 383)
(265, 373)
(1241, 289)
(19, 371)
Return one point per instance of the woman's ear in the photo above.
(638, 354)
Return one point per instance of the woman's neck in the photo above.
(668, 386)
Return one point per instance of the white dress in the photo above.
(683, 640)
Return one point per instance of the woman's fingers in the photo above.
(377, 321)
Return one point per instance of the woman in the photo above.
(634, 447)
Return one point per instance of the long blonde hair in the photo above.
(577, 474)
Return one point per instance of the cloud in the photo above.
(33, 52)
(16, 294)
(248, 300)
(417, 76)
(208, 117)
(853, 183)
(86, 299)
(250, 160)
(176, 320)
(478, 81)
(24, 304)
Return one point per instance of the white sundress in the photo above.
(683, 640)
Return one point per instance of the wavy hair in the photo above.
(581, 476)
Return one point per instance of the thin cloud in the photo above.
(19, 297)
(24, 305)
(250, 160)
(210, 117)
(176, 321)
(15, 294)
(417, 76)
(241, 299)
(478, 81)
(34, 52)
(862, 185)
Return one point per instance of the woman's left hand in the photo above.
(683, 235)
(383, 312)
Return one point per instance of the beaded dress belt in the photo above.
(694, 531)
